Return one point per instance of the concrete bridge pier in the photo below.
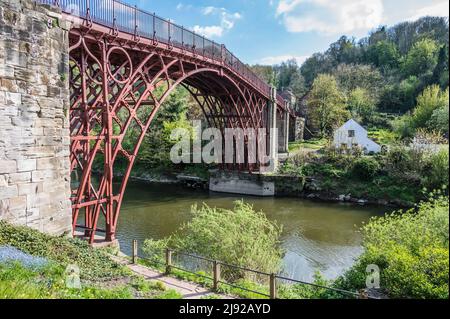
(255, 184)
(283, 132)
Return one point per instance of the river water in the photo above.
(316, 236)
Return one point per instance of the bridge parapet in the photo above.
(140, 24)
(34, 125)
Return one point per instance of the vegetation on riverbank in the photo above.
(241, 239)
(240, 236)
(401, 176)
(411, 250)
(100, 276)
(410, 266)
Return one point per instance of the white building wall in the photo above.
(341, 137)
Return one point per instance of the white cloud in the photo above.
(226, 23)
(330, 16)
(274, 60)
(209, 31)
(439, 9)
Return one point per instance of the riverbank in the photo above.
(285, 186)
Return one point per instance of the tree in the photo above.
(422, 58)
(440, 74)
(317, 64)
(352, 76)
(440, 120)
(343, 50)
(240, 236)
(399, 97)
(431, 99)
(265, 72)
(288, 76)
(155, 149)
(384, 54)
(326, 105)
(361, 104)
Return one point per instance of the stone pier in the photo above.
(34, 124)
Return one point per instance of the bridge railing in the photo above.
(222, 276)
(132, 20)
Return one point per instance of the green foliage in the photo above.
(439, 120)
(240, 237)
(301, 291)
(422, 58)
(327, 105)
(353, 76)
(18, 282)
(384, 136)
(365, 168)
(431, 99)
(384, 54)
(405, 58)
(169, 294)
(436, 171)
(94, 264)
(411, 266)
(361, 105)
(155, 150)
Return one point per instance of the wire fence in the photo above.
(224, 277)
(123, 17)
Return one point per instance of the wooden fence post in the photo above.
(168, 261)
(135, 252)
(216, 272)
(273, 286)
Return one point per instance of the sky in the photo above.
(272, 31)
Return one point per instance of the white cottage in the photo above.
(352, 135)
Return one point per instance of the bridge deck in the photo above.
(141, 25)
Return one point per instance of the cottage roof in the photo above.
(352, 124)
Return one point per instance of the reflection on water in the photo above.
(316, 236)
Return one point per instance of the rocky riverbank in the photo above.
(285, 186)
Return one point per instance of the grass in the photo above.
(313, 144)
(18, 282)
(94, 264)
(100, 276)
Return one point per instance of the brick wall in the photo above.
(34, 127)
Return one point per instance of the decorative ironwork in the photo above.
(124, 63)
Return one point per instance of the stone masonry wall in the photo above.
(34, 126)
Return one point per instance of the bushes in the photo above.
(94, 264)
(365, 168)
(411, 265)
(240, 237)
(436, 171)
(431, 113)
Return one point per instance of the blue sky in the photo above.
(270, 31)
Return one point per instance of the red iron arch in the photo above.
(117, 84)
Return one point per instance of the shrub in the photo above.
(431, 99)
(436, 171)
(94, 264)
(365, 168)
(240, 236)
(411, 266)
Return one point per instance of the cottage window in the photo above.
(351, 133)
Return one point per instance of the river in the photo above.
(316, 236)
